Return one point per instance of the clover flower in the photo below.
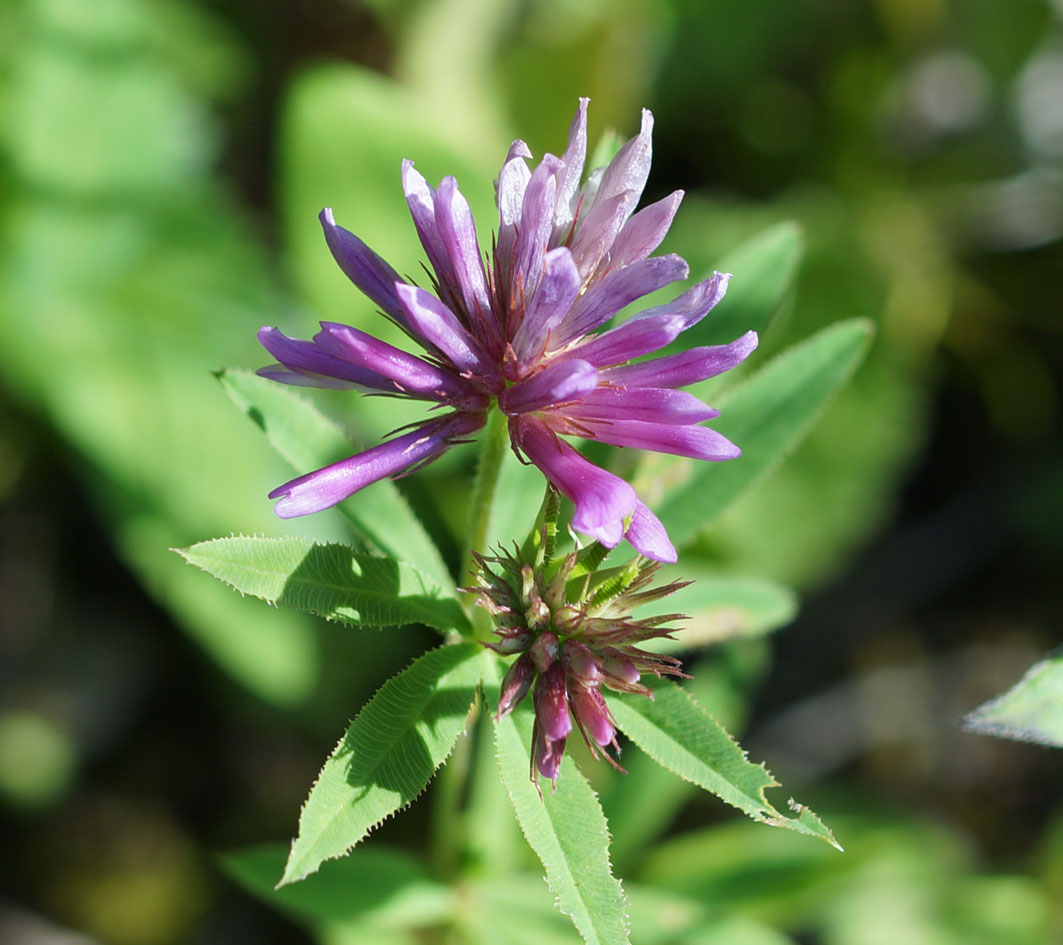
(574, 636)
(521, 335)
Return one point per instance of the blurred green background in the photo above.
(162, 163)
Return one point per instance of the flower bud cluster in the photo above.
(574, 634)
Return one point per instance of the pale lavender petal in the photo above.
(326, 487)
(596, 230)
(458, 232)
(634, 338)
(509, 194)
(574, 157)
(603, 501)
(693, 441)
(557, 291)
(648, 537)
(696, 302)
(628, 172)
(621, 287)
(643, 233)
(414, 376)
(687, 367)
(533, 235)
(317, 366)
(648, 404)
(439, 326)
(560, 382)
(362, 266)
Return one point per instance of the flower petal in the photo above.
(643, 233)
(687, 367)
(696, 302)
(362, 266)
(648, 404)
(648, 536)
(559, 382)
(618, 289)
(458, 232)
(558, 289)
(439, 326)
(603, 501)
(317, 367)
(632, 339)
(680, 440)
(509, 195)
(568, 181)
(420, 198)
(414, 376)
(536, 227)
(326, 487)
(627, 173)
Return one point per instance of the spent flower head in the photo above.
(522, 334)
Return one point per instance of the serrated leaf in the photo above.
(764, 268)
(388, 756)
(567, 830)
(681, 736)
(376, 886)
(721, 608)
(309, 440)
(1031, 711)
(332, 581)
(767, 417)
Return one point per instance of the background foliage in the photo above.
(161, 167)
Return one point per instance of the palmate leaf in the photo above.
(767, 417)
(389, 754)
(681, 736)
(1031, 711)
(567, 830)
(309, 440)
(332, 581)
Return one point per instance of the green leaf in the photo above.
(764, 268)
(681, 736)
(567, 830)
(388, 756)
(332, 581)
(309, 440)
(767, 417)
(376, 886)
(721, 608)
(1031, 711)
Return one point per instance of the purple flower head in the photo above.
(573, 637)
(525, 334)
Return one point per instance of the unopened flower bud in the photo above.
(593, 714)
(621, 669)
(551, 704)
(513, 640)
(547, 754)
(515, 685)
(544, 651)
(579, 662)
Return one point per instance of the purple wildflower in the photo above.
(522, 333)
(572, 640)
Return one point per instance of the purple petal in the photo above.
(693, 441)
(649, 538)
(643, 233)
(362, 266)
(635, 337)
(536, 227)
(421, 200)
(696, 302)
(627, 173)
(431, 320)
(326, 487)
(603, 501)
(619, 288)
(414, 376)
(558, 383)
(317, 367)
(649, 404)
(558, 289)
(509, 194)
(574, 157)
(596, 230)
(551, 703)
(687, 367)
(458, 232)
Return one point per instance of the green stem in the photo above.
(495, 442)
